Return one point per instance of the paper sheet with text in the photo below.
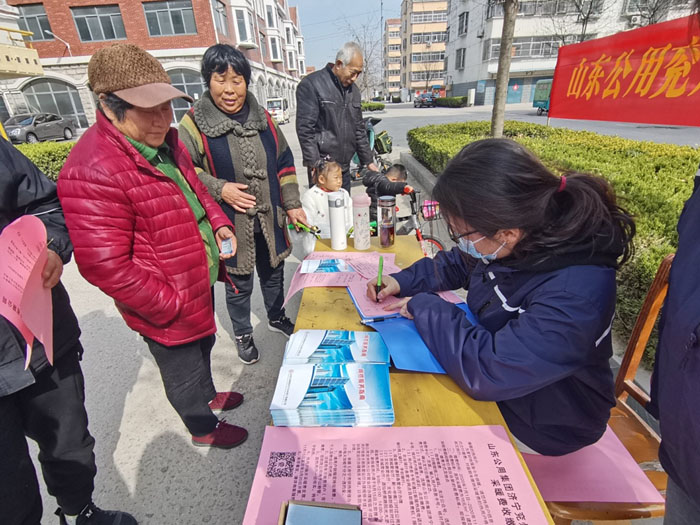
(23, 299)
(397, 475)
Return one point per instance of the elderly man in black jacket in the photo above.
(329, 114)
(44, 402)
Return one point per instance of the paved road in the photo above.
(399, 118)
(146, 464)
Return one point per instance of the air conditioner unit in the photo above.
(480, 33)
(636, 20)
(428, 43)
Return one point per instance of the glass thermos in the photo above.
(386, 220)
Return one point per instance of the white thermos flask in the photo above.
(336, 215)
(360, 219)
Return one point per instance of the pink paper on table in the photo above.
(305, 280)
(361, 262)
(395, 474)
(602, 472)
(24, 301)
(365, 263)
(367, 307)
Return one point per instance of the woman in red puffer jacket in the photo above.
(147, 233)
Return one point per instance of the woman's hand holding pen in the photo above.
(390, 286)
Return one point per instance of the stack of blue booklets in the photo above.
(333, 378)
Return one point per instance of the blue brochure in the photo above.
(335, 346)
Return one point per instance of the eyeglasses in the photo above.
(455, 238)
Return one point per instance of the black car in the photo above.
(35, 127)
(424, 99)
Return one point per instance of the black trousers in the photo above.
(186, 373)
(52, 413)
(271, 284)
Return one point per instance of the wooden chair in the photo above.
(639, 438)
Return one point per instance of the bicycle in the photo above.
(421, 213)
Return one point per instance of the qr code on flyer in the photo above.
(281, 464)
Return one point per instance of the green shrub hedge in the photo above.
(452, 102)
(372, 106)
(651, 180)
(48, 156)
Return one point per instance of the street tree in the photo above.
(571, 19)
(510, 12)
(368, 37)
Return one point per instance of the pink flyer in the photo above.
(23, 299)
(397, 475)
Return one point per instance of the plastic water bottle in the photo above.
(336, 215)
(360, 220)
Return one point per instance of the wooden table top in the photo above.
(419, 399)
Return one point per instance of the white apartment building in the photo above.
(474, 34)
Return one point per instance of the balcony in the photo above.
(17, 56)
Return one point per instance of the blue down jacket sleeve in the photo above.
(447, 271)
(553, 338)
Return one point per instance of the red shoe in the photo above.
(226, 401)
(224, 436)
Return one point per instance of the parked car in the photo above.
(278, 109)
(424, 99)
(35, 127)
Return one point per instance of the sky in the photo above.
(324, 24)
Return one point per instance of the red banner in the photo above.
(649, 75)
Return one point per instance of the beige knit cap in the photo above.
(133, 75)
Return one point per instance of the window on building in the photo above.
(394, 34)
(98, 23)
(292, 63)
(393, 60)
(393, 72)
(300, 48)
(4, 113)
(263, 46)
(289, 35)
(244, 25)
(54, 96)
(394, 47)
(191, 83)
(459, 58)
(424, 38)
(427, 75)
(274, 49)
(220, 17)
(33, 18)
(270, 16)
(529, 46)
(462, 24)
(302, 68)
(430, 56)
(423, 17)
(174, 17)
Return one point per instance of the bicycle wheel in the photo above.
(431, 246)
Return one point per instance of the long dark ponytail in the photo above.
(496, 184)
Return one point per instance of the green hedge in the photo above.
(651, 180)
(452, 102)
(372, 106)
(48, 156)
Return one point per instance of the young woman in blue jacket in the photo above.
(538, 254)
